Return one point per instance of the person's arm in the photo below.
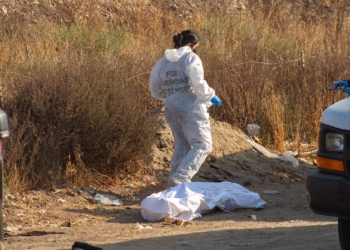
(341, 84)
(195, 74)
(155, 82)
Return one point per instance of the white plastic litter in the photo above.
(271, 192)
(139, 226)
(108, 200)
(286, 156)
(187, 201)
(60, 200)
(289, 156)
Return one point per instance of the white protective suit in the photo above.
(178, 79)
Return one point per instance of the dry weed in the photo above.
(76, 87)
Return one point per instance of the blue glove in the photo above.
(347, 91)
(216, 101)
(340, 84)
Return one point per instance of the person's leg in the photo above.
(196, 128)
(181, 146)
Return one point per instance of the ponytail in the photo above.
(184, 38)
(177, 39)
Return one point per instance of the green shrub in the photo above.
(89, 40)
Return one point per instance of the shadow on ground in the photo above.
(286, 238)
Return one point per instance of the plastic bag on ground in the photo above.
(253, 130)
(289, 156)
(108, 200)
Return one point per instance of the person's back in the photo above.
(176, 80)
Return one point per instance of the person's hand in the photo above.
(216, 101)
(347, 91)
(340, 84)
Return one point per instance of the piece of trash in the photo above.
(4, 10)
(290, 156)
(59, 191)
(271, 192)
(84, 220)
(10, 229)
(304, 160)
(253, 217)
(84, 246)
(69, 223)
(60, 200)
(253, 130)
(257, 139)
(286, 156)
(89, 190)
(108, 200)
(139, 226)
(282, 175)
(90, 207)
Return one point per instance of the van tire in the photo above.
(344, 233)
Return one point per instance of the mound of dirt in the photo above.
(232, 159)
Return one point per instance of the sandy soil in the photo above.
(55, 219)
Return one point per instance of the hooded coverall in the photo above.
(178, 79)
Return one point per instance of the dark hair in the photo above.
(185, 37)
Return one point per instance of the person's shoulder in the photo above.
(194, 55)
(193, 58)
(161, 60)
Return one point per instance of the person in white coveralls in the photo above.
(178, 80)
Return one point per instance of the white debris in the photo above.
(108, 200)
(139, 226)
(286, 156)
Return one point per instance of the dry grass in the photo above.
(76, 92)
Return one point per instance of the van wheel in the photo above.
(344, 233)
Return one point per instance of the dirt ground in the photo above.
(55, 219)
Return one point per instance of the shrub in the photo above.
(77, 114)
